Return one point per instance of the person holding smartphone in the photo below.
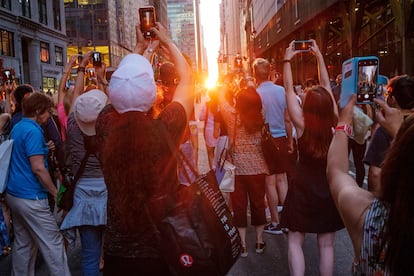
(135, 158)
(379, 225)
(309, 207)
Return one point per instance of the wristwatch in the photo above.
(347, 129)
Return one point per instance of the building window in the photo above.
(6, 43)
(44, 52)
(25, 7)
(49, 85)
(56, 15)
(59, 55)
(5, 4)
(42, 11)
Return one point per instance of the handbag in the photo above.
(5, 157)
(269, 148)
(225, 170)
(67, 189)
(197, 233)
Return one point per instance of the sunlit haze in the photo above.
(210, 19)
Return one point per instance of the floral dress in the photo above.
(372, 254)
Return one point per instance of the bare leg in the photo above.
(282, 186)
(242, 232)
(259, 233)
(326, 253)
(295, 253)
(272, 197)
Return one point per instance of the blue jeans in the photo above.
(91, 239)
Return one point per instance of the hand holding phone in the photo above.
(147, 21)
(7, 76)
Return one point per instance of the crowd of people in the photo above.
(111, 128)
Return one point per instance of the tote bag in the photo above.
(5, 157)
(197, 233)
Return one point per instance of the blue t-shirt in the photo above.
(28, 141)
(274, 103)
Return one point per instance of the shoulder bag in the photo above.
(225, 170)
(67, 188)
(269, 148)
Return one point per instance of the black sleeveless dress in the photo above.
(309, 207)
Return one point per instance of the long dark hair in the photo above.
(398, 192)
(319, 116)
(249, 108)
(129, 163)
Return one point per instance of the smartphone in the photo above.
(97, 59)
(303, 45)
(7, 76)
(360, 77)
(90, 73)
(147, 21)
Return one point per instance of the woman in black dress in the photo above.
(309, 207)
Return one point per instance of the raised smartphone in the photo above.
(303, 45)
(147, 21)
(97, 59)
(360, 77)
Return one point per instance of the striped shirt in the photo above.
(371, 256)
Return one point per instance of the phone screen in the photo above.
(96, 59)
(367, 80)
(303, 45)
(147, 20)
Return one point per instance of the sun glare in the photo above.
(210, 19)
(210, 82)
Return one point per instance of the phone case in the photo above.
(360, 77)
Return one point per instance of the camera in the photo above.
(147, 21)
(7, 76)
(303, 45)
(97, 59)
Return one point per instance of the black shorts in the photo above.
(278, 162)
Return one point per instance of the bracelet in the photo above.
(81, 69)
(345, 128)
(286, 60)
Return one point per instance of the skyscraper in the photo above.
(182, 27)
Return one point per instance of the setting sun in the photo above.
(211, 82)
(210, 19)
